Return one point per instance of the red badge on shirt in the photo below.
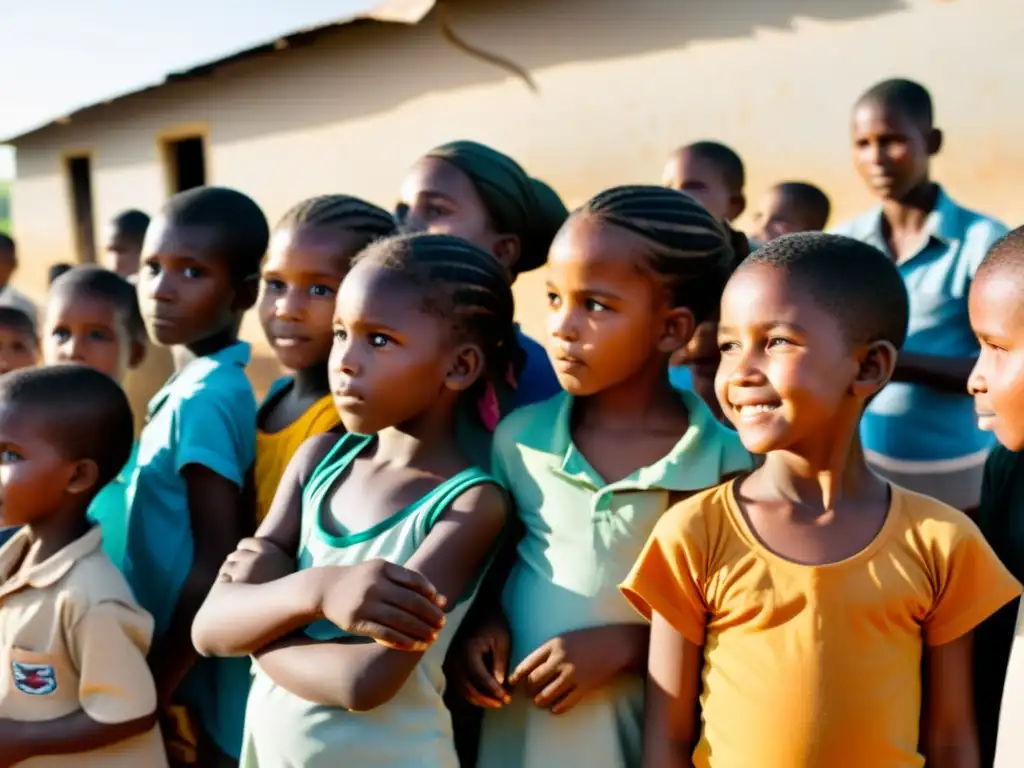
(34, 679)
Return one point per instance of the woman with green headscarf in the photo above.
(475, 192)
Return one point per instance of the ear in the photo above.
(246, 293)
(677, 330)
(934, 141)
(877, 363)
(83, 477)
(737, 205)
(138, 352)
(467, 365)
(507, 250)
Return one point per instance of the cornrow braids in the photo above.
(341, 213)
(687, 247)
(466, 284)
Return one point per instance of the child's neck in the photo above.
(429, 443)
(311, 382)
(209, 345)
(909, 213)
(822, 478)
(48, 537)
(642, 400)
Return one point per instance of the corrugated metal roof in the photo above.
(252, 36)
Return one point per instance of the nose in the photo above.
(289, 305)
(976, 383)
(344, 357)
(742, 368)
(563, 324)
(158, 287)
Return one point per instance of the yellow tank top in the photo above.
(275, 449)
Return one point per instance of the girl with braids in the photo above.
(355, 583)
(559, 666)
(310, 252)
(475, 192)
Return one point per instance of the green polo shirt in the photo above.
(582, 536)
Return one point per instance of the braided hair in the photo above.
(466, 285)
(687, 248)
(340, 213)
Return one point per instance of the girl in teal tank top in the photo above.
(356, 582)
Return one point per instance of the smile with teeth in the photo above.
(755, 408)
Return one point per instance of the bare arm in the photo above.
(361, 677)
(949, 738)
(70, 734)
(671, 725)
(945, 374)
(215, 515)
(239, 617)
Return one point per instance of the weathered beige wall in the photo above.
(620, 85)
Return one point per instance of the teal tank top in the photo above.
(414, 728)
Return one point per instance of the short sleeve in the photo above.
(669, 575)
(972, 585)
(987, 232)
(110, 645)
(216, 428)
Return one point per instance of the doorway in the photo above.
(79, 172)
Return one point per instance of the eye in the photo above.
(274, 285)
(433, 211)
(340, 334)
(321, 291)
(8, 456)
(593, 305)
(151, 268)
(778, 341)
(379, 340)
(725, 347)
(61, 334)
(554, 300)
(101, 335)
(192, 273)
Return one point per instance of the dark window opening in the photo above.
(80, 176)
(187, 160)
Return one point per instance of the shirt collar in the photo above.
(943, 223)
(693, 464)
(196, 370)
(49, 571)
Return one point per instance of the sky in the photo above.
(59, 55)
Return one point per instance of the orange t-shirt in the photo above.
(815, 665)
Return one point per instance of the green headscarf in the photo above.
(519, 205)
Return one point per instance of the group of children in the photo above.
(695, 526)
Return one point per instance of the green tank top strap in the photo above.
(336, 461)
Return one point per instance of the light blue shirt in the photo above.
(206, 415)
(910, 427)
(109, 510)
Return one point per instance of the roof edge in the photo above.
(384, 11)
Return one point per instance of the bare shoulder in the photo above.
(487, 503)
(313, 451)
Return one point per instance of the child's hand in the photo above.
(256, 561)
(395, 606)
(479, 665)
(559, 674)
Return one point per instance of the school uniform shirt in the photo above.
(1001, 519)
(72, 638)
(109, 510)
(205, 415)
(275, 449)
(921, 438)
(582, 536)
(815, 664)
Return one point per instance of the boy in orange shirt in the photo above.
(807, 593)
